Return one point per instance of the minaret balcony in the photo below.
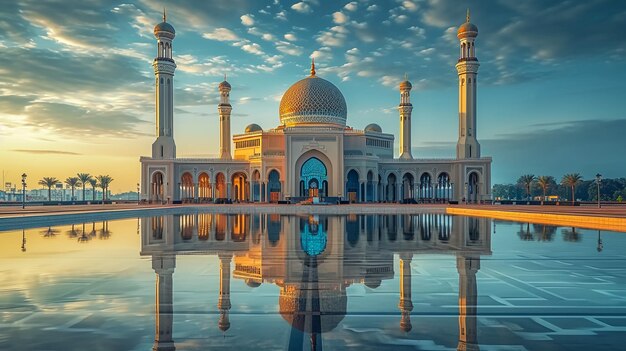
(463, 59)
(163, 59)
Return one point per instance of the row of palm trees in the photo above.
(570, 180)
(81, 179)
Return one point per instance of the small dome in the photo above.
(224, 86)
(251, 128)
(313, 100)
(251, 283)
(373, 127)
(406, 85)
(164, 27)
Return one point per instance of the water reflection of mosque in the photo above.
(313, 259)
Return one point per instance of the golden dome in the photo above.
(406, 85)
(313, 100)
(467, 29)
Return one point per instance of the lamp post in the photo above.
(598, 181)
(138, 194)
(23, 190)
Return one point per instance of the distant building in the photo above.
(313, 153)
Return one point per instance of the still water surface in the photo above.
(204, 281)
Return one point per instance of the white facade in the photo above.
(313, 155)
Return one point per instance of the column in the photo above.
(282, 190)
(467, 266)
(406, 304)
(228, 190)
(164, 309)
(223, 302)
(213, 191)
(263, 195)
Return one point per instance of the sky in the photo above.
(77, 94)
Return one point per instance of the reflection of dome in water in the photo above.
(313, 100)
(296, 308)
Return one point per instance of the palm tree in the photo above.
(73, 182)
(527, 181)
(572, 180)
(544, 182)
(49, 182)
(104, 181)
(94, 184)
(84, 179)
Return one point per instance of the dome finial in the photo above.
(467, 18)
(406, 76)
(312, 67)
(164, 15)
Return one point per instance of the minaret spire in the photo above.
(312, 67)
(164, 15)
(467, 18)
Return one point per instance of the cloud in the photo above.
(301, 7)
(340, 17)
(80, 122)
(221, 34)
(352, 6)
(291, 37)
(45, 152)
(252, 48)
(247, 20)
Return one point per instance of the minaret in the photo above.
(224, 109)
(467, 68)
(223, 302)
(164, 67)
(467, 266)
(406, 304)
(405, 109)
(164, 309)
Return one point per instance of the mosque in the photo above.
(313, 155)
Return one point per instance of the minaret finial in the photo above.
(224, 76)
(468, 15)
(164, 16)
(406, 76)
(312, 67)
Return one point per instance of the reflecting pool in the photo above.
(198, 281)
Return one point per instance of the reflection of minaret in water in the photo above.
(223, 303)
(164, 268)
(467, 268)
(405, 305)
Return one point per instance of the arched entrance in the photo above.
(186, 187)
(407, 187)
(313, 178)
(220, 186)
(240, 187)
(444, 187)
(426, 187)
(204, 187)
(472, 187)
(352, 186)
(273, 186)
(156, 189)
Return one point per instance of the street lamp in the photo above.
(137, 193)
(23, 190)
(598, 181)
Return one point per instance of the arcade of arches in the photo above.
(314, 182)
